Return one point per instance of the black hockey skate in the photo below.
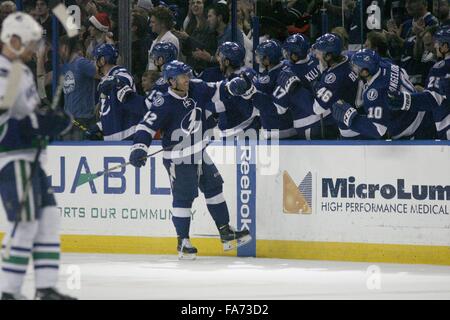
(186, 251)
(10, 296)
(232, 238)
(51, 294)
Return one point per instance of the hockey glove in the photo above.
(344, 113)
(399, 100)
(288, 80)
(106, 85)
(138, 156)
(241, 87)
(94, 133)
(249, 74)
(124, 91)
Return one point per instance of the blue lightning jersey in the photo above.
(435, 98)
(183, 121)
(380, 121)
(119, 120)
(159, 88)
(235, 114)
(338, 82)
(212, 74)
(300, 101)
(276, 123)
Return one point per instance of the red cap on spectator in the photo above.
(101, 21)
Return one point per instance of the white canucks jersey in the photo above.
(27, 96)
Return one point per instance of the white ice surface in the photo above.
(107, 276)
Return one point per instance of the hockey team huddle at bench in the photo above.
(301, 91)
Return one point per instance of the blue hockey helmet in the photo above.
(296, 44)
(166, 50)
(108, 51)
(270, 49)
(328, 43)
(366, 59)
(443, 35)
(175, 68)
(233, 52)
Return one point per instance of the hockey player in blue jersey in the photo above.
(117, 121)
(236, 114)
(295, 87)
(162, 53)
(296, 49)
(337, 82)
(435, 97)
(182, 116)
(276, 122)
(379, 121)
(33, 218)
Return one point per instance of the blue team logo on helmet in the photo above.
(166, 50)
(232, 52)
(108, 51)
(270, 49)
(328, 43)
(175, 68)
(296, 44)
(366, 59)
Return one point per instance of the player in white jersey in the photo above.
(33, 219)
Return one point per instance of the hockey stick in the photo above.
(60, 12)
(88, 177)
(84, 129)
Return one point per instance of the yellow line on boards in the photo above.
(362, 252)
(283, 249)
(138, 245)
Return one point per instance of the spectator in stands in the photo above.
(79, 85)
(141, 41)
(219, 21)
(408, 33)
(146, 5)
(148, 80)
(43, 12)
(342, 33)
(441, 11)
(99, 33)
(44, 72)
(162, 22)
(377, 42)
(197, 36)
(6, 8)
(425, 52)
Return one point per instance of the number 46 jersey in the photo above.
(338, 82)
